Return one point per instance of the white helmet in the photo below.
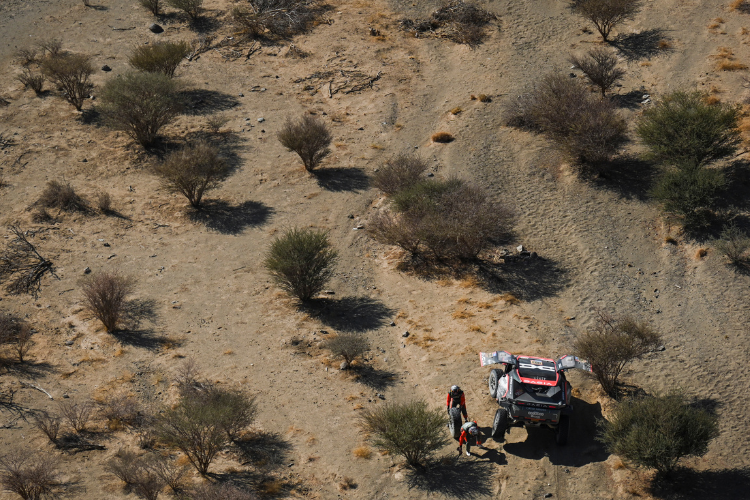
(473, 429)
(455, 388)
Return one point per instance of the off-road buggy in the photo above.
(531, 391)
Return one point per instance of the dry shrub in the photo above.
(25, 56)
(586, 127)
(104, 203)
(362, 452)
(21, 264)
(122, 409)
(153, 6)
(612, 344)
(190, 7)
(398, 173)
(48, 424)
(347, 483)
(442, 137)
(51, 47)
(77, 414)
(726, 61)
(606, 14)
(63, 197)
(30, 475)
(215, 123)
(348, 346)
(484, 98)
(223, 492)
(712, 100)
(126, 465)
(71, 73)
(15, 335)
(309, 138)
(169, 471)
(600, 67)
(457, 21)
(31, 80)
(161, 57)
(456, 110)
(734, 243)
(41, 215)
(275, 18)
(193, 170)
(296, 52)
(104, 296)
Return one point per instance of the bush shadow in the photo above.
(205, 102)
(632, 100)
(738, 185)
(526, 278)
(688, 484)
(582, 448)
(339, 179)
(627, 175)
(30, 369)
(452, 477)
(349, 314)
(204, 24)
(224, 218)
(643, 45)
(76, 443)
(136, 312)
(374, 378)
(266, 450)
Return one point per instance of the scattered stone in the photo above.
(241, 94)
(106, 68)
(393, 323)
(329, 292)
(385, 360)
(344, 365)
(351, 216)
(155, 28)
(107, 244)
(381, 396)
(87, 270)
(324, 332)
(68, 342)
(261, 120)
(405, 334)
(519, 248)
(65, 396)
(548, 495)
(661, 348)
(430, 174)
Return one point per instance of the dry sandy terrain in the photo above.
(601, 244)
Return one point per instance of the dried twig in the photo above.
(22, 265)
(33, 386)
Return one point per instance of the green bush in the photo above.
(70, 72)
(606, 14)
(656, 432)
(399, 173)
(190, 7)
(734, 243)
(140, 104)
(193, 170)
(411, 430)
(683, 130)
(309, 138)
(300, 261)
(689, 192)
(161, 57)
(347, 346)
(612, 344)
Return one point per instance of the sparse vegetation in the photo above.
(190, 7)
(220, 492)
(104, 203)
(612, 344)
(734, 243)
(589, 129)
(309, 138)
(30, 475)
(48, 424)
(76, 414)
(51, 47)
(31, 80)
(411, 430)
(15, 334)
(606, 14)
(63, 197)
(26, 56)
(682, 129)
(457, 21)
(656, 432)
(399, 173)
(215, 123)
(153, 6)
(161, 57)
(71, 73)
(348, 346)
(600, 67)
(140, 104)
(122, 409)
(104, 296)
(301, 261)
(193, 171)
(275, 18)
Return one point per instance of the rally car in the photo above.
(531, 391)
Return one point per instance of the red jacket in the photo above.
(462, 401)
(464, 437)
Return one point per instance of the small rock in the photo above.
(534, 255)
(107, 244)
(393, 323)
(351, 216)
(430, 174)
(155, 28)
(361, 128)
(324, 332)
(661, 348)
(344, 365)
(65, 396)
(548, 495)
(572, 75)
(405, 334)
(84, 160)
(261, 120)
(385, 360)
(106, 68)
(68, 342)
(381, 396)
(87, 270)
(329, 292)
(519, 248)
(241, 94)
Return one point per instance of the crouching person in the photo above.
(471, 436)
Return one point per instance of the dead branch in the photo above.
(22, 265)
(33, 386)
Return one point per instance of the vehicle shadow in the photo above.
(339, 179)
(454, 477)
(224, 218)
(689, 484)
(349, 314)
(526, 278)
(582, 447)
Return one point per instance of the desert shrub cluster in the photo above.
(606, 14)
(104, 296)
(30, 475)
(308, 137)
(400, 172)
(347, 346)
(734, 243)
(162, 57)
(458, 21)
(600, 68)
(586, 127)
(275, 18)
(71, 73)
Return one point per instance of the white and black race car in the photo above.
(531, 391)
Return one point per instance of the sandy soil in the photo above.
(601, 243)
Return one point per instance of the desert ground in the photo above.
(602, 245)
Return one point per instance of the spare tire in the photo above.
(493, 382)
(454, 422)
(500, 425)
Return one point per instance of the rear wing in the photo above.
(493, 358)
(567, 362)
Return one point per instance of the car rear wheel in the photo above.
(500, 424)
(493, 382)
(563, 430)
(454, 422)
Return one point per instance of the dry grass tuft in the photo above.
(702, 252)
(484, 98)
(362, 452)
(475, 328)
(469, 281)
(509, 298)
(664, 44)
(712, 100)
(462, 314)
(442, 137)
(456, 110)
(736, 5)
(271, 487)
(670, 241)
(346, 484)
(726, 61)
